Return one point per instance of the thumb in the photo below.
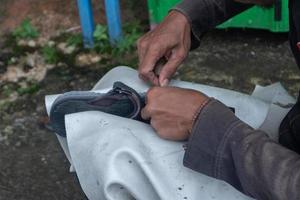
(145, 114)
(168, 70)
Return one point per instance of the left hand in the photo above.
(172, 111)
(171, 39)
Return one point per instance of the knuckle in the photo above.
(142, 43)
(154, 48)
(143, 72)
(181, 55)
(152, 92)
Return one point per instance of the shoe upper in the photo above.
(122, 101)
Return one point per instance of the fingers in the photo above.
(142, 47)
(173, 33)
(151, 95)
(167, 72)
(148, 56)
(150, 59)
(150, 51)
(145, 114)
(170, 67)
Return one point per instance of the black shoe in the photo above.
(121, 101)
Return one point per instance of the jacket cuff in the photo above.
(200, 24)
(208, 150)
(204, 15)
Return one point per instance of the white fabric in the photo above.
(117, 158)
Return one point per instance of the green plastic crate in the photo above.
(256, 17)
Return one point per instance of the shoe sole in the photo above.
(69, 103)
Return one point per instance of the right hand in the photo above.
(170, 39)
(172, 111)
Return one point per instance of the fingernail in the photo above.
(165, 83)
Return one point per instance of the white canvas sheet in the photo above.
(117, 158)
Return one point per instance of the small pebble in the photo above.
(51, 43)
(31, 43)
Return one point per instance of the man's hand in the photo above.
(172, 40)
(173, 110)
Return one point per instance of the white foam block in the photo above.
(118, 158)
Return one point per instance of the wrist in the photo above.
(179, 16)
(198, 112)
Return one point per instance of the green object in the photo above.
(275, 18)
(25, 30)
(158, 9)
(50, 54)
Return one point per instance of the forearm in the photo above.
(224, 147)
(266, 169)
(204, 15)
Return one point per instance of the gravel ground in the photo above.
(32, 164)
(241, 59)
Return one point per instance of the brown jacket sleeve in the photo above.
(204, 15)
(224, 147)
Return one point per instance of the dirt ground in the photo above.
(46, 14)
(240, 59)
(32, 164)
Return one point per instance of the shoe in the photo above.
(122, 101)
(289, 130)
